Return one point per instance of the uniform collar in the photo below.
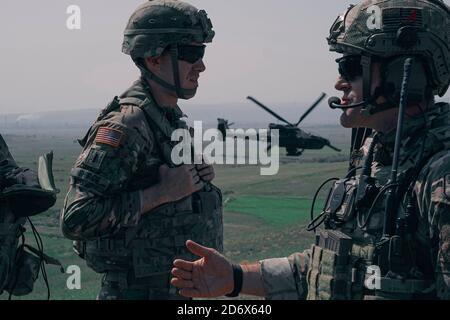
(415, 130)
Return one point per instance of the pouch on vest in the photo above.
(26, 273)
(341, 200)
(330, 275)
(104, 255)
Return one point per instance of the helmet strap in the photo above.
(372, 106)
(148, 75)
(176, 71)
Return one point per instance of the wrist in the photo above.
(238, 279)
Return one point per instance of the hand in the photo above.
(180, 182)
(209, 277)
(206, 172)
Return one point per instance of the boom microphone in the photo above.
(335, 103)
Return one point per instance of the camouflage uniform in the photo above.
(414, 260)
(121, 156)
(291, 278)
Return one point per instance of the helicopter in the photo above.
(291, 137)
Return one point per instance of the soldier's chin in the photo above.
(346, 121)
(189, 96)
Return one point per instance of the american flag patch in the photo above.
(111, 137)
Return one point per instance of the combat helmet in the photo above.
(389, 31)
(160, 25)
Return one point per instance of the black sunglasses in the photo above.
(191, 53)
(350, 67)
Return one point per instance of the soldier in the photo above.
(385, 232)
(129, 208)
(21, 196)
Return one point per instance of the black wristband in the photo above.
(238, 277)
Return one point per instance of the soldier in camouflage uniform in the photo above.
(21, 196)
(375, 239)
(129, 207)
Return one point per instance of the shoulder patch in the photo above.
(95, 158)
(447, 186)
(109, 136)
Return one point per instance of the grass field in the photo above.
(264, 216)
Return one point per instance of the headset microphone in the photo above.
(335, 103)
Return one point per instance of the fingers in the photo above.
(183, 264)
(206, 172)
(198, 250)
(180, 283)
(208, 177)
(202, 166)
(196, 179)
(190, 293)
(182, 274)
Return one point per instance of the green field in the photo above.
(264, 216)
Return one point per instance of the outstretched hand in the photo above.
(208, 277)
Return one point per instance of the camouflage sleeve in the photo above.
(433, 192)
(99, 202)
(285, 278)
(7, 162)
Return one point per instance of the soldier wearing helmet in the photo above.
(130, 208)
(384, 232)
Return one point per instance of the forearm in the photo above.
(285, 278)
(252, 280)
(87, 216)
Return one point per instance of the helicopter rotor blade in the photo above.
(269, 111)
(329, 145)
(314, 105)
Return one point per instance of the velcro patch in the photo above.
(447, 185)
(109, 136)
(95, 158)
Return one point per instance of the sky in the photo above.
(274, 50)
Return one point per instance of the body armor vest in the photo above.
(350, 258)
(150, 248)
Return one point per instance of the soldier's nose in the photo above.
(342, 84)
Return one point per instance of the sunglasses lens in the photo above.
(350, 67)
(191, 54)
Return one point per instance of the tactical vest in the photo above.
(350, 260)
(150, 248)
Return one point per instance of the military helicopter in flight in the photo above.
(291, 137)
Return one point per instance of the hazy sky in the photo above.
(272, 49)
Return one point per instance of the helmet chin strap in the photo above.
(370, 104)
(148, 75)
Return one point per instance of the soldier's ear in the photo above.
(153, 63)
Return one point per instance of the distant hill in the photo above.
(244, 115)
